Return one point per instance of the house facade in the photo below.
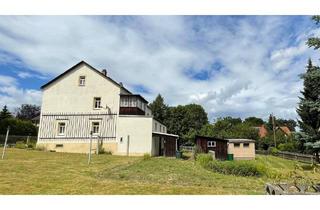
(84, 104)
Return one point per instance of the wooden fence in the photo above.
(291, 156)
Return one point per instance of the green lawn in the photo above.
(36, 172)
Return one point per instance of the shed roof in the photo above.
(165, 134)
(210, 138)
(241, 140)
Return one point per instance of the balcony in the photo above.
(132, 105)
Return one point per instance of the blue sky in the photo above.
(232, 65)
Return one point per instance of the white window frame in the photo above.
(64, 129)
(94, 132)
(82, 80)
(95, 99)
(211, 144)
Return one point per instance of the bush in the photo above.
(20, 145)
(146, 156)
(273, 150)
(18, 127)
(204, 160)
(238, 168)
(289, 147)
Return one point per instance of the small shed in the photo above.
(242, 149)
(219, 146)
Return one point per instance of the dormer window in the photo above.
(82, 81)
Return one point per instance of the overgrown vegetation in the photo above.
(237, 168)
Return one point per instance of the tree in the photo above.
(4, 114)
(18, 127)
(186, 121)
(229, 127)
(291, 124)
(28, 111)
(309, 105)
(159, 108)
(253, 121)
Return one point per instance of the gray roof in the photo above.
(241, 140)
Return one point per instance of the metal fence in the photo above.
(291, 156)
(12, 139)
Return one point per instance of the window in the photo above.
(97, 102)
(236, 144)
(95, 127)
(211, 144)
(82, 80)
(245, 144)
(155, 126)
(61, 128)
(59, 145)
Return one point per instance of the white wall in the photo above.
(158, 127)
(65, 94)
(139, 130)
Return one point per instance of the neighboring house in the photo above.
(84, 103)
(242, 149)
(263, 132)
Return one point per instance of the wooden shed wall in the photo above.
(221, 149)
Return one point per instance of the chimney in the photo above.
(120, 83)
(104, 72)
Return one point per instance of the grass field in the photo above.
(36, 172)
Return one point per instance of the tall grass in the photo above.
(238, 168)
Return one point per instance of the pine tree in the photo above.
(159, 108)
(5, 113)
(309, 109)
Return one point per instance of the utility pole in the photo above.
(5, 143)
(274, 131)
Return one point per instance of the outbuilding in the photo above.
(219, 146)
(242, 149)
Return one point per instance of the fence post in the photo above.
(97, 152)
(128, 145)
(5, 143)
(90, 147)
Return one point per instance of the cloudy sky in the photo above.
(232, 65)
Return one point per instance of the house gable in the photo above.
(77, 66)
(65, 94)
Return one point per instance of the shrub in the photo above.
(146, 156)
(238, 168)
(20, 145)
(289, 147)
(204, 160)
(273, 150)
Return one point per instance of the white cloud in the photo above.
(13, 96)
(260, 68)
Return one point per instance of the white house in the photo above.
(84, 103)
